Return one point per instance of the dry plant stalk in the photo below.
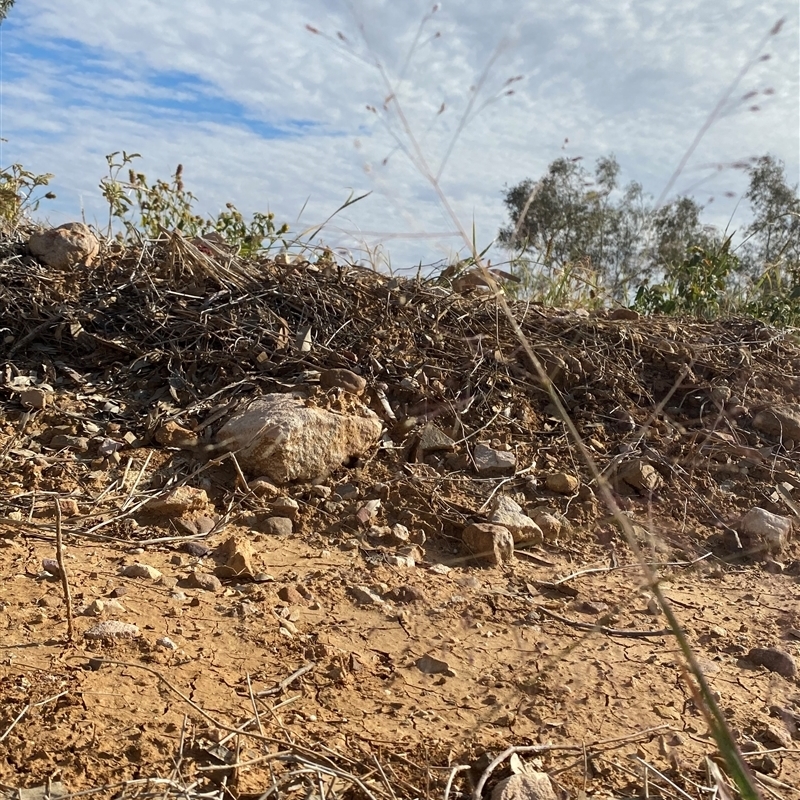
(62, 571)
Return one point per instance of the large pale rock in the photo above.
(764, 532)
(782, 422)
(66, 246)
(509, 514)
(279, 436)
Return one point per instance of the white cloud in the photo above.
(636, 79)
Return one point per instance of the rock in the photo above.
(204, 581)
(166, 643)
(364, 596)
(34, 398)
(62, 441)
(180, 501)
(492, 544)
(276, 526)
(791, 719)
(550, 525)
(139, 570)
(194, 526)
(51, 565)
(433, 666)
(69, 506)
(285, 507)
(433, 440)
(264, 487)
(781, 421)
(66, 246)
(764, 532)
(774, 660)
(368, 511)
(491, 463)
(291, 595)
(346, 491)
(237, 554)
(509, 514)
(397, 560)
(196, 549)
(277, 435)
(593, 607)
(641, 476)
(94, 609)
(562, 483)
(398, 535)
(342, 379)
(112, 629)
(52, 790)
(404, 595)
(170, 434)
(525, 786)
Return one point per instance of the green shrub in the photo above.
(149, 211)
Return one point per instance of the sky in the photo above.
(294, 107)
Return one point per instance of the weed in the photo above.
(17, 188)
(697, 285)
(165, 206)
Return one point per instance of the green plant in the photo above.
(696, 285)
(17, 186)
(166, 206)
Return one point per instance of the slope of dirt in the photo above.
(348, 659)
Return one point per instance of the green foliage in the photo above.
(695, 286)
(773, 237)
(570, 215)
(5, 7)
(149, 211)
(17, 187)
(580, 240)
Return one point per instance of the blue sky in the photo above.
(264, 113)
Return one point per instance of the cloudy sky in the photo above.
(264, 112)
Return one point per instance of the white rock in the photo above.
(764, 532)
(279, 436)
(365, 597)
(112, 629)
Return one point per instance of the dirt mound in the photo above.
(337, 635)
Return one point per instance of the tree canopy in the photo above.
(622, 242)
